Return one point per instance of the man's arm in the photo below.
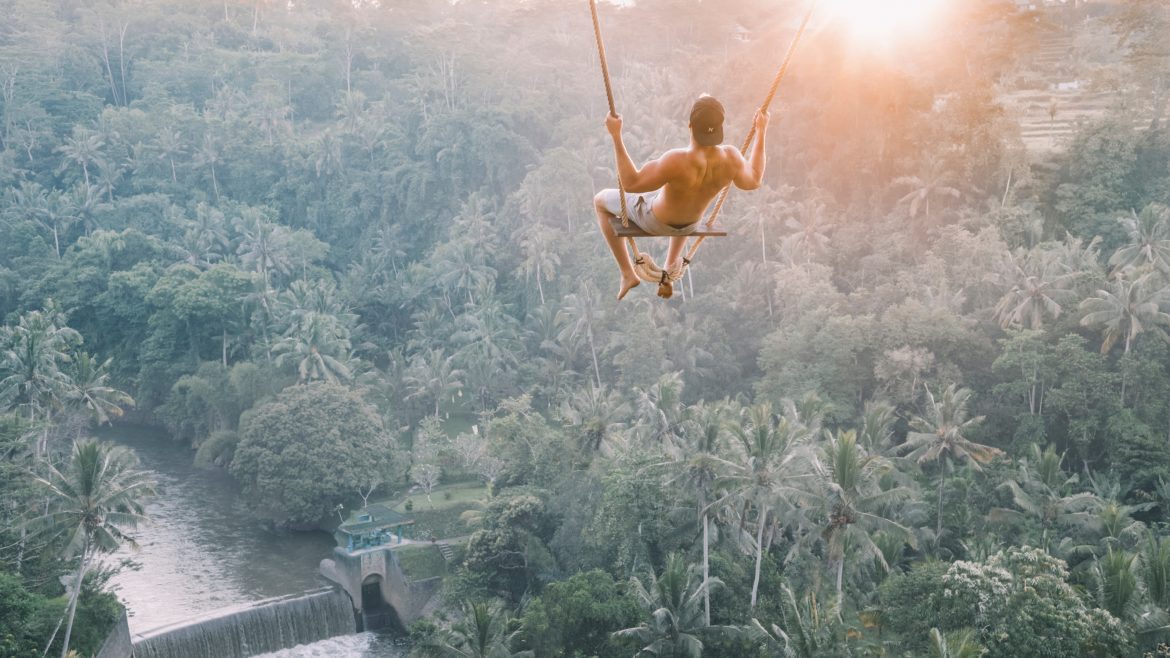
(751, 171)
(650, 177)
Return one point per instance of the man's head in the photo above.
(707, 121)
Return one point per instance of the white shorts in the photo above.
(641, 208)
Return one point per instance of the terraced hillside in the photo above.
(1061, 94)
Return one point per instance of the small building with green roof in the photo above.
(373, 526)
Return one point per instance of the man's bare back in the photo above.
(695, 176)
(688, 180)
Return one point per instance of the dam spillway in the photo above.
(261, 628)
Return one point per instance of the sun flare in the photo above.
(882, 22)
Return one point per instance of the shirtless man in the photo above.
(669, 196)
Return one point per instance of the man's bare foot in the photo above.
(627, 286)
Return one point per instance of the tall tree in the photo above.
(933, 181)
(771, 454)
(319, 347)
(596, 413)
(1149, 241)
(854, 502)
(672, 602)
(481, 633)
(1043, 493)
(89, 388)
(82, 148)
(263, 244)
(578, 317)
(170, 145)
(433, 375)
(697, 468)
(34, 354)
(940, 434)
(1127, 309)
(1035, 287)
(93, 501)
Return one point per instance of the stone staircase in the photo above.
(447, 551)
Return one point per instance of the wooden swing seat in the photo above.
(635, 231)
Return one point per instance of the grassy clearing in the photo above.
(419, 561)
(463, 495)
(438, 524)
(439, 517)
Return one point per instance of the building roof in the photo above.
(373, 517)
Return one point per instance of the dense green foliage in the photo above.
(311, 237)
(308, 448)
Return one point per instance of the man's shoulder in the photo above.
(730, 152)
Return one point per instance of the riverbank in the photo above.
(202, 550)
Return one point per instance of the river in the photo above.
(202, 551)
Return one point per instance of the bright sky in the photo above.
(881, 23)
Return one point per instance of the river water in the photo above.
(202, 551)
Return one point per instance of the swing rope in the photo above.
(644, 265)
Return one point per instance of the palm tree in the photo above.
(56, 216)
(206, 236)
(327, 159)
(52, 210)
(33, 356)
(877, 426)
(89, 387)
(269, 113)
(672, 602)
(596, 412)
(1044, 493)
(109, 175)
(807, 628)
(934, 181)
(1155, 558)
(432, 374)
(764, 209)
(319, 345)
(769, 458)
(83, 148)
(489, 336)
(660, 408)
(941, 434)
(1117, 582)
(809, 235)
(1108, 521)
(850, 494)
(1149, 241)
(960, 644)
(1037, 284)
(578, 316)
(263, 244)
(303, 300)
(694, 454)
(92, 502)
(1126, 310)
(170, 145)
(83, 203)
(482, 633)
(540, 261)
(209, 155)
(462, 267)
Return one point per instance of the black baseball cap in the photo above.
(707, 121)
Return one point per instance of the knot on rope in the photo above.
(646, 269)
(665, 288)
